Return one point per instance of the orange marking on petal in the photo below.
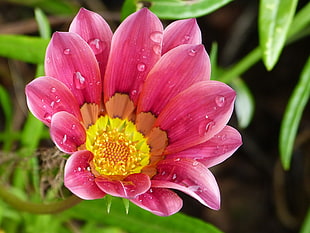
(90, 113)
(120, 106)
(144, 122)
(158, 141)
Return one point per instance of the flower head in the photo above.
(135, 110)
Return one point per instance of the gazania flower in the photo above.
(135, 110)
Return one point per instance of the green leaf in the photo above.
(244, 105)
(300, 22)
(292, 116)
(51, 6)
(24, 48)
(275, 17)
(305, 228)
(180, 9)
(128, 7)
(43, 23)
(31, 133)
(137, 220)
(6, 103)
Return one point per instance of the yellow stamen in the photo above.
(118, 148)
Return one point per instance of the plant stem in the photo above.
(37, 208)
(243, 65)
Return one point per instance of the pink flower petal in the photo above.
(196, 114)
(78, 177)
(96, 32)
(215, 150)
(47, 96)
(190, 177)
(67, 132)
(162, 202)
(136, 47)
(130, 187)
(70, 60)
(174, 72)
(179, 32)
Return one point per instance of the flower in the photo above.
(135, 110)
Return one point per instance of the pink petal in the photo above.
(130, 187)
(70, 60)
(67, 132)
(78, 177)
(190, 177)
(215, 150)
(179, 32)
(47, 96)
(196, 114)
(174, 72)
(96, 32)
(162, 202)
(136, 47)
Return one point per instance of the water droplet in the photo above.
(52, 104)
(157, 49)
(141, 67)
(187, 37)
(88, 169)
(163, 173)
(96, 45)
(134, 92)
(73, 126)
(151, 190)
(194, 188)
(207, 116)
(98, 83)
(177, 159)
(57, 100)
(192, 52)
(224, 137)
(220, 100)
(47, 117)
(79, 169)
(64, 139)
(67, 51)
(174, 176)
(195, 163)
(205, 126)
(156, 36)
(79, 81)
(53, 89)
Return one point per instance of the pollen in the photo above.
(118, 148)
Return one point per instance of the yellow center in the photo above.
(118, 148)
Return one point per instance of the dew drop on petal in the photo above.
(73, 126)
(67, 51)
(47, 117)
(205, 126)
(79, 169)
(52, 104)
(141, 67)
(96, 45)
(133, 92)
(53, 89)
(156, 36)
(186, 38)
(79, 81)
(174, 176)
(88, 169)
(195, 163)
(220, 100)
(194, 188)
(157, 49)
(64, 139)
(192, 52)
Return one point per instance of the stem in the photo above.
(37, 208)
(243, 65)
